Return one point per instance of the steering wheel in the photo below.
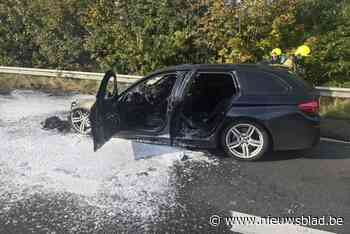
(148, 98)
(139, 99)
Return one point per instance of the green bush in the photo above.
(138, 36)
(339, 84)
(339, 109)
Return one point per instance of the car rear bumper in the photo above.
(302, 132)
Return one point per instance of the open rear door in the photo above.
(104, 117)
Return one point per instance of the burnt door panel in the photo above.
(104, 116)
(203, 100)
(105, 122)
(175, 104)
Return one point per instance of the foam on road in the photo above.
(123, 177)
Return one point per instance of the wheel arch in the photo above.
(80, 108)
(85, 105)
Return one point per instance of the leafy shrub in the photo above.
(138, 36)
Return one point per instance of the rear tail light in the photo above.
(311, 107)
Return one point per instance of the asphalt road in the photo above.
(52, 182)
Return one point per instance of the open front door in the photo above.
(104, 117)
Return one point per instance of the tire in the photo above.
(245, 140)
(79, 120)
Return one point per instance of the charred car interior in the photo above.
(207, 97)
(244, 109)
(146, 104)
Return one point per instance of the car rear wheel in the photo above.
(245, 140)
(80, 121)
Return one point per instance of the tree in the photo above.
(328, 35)
(42, 33)
(139, 36)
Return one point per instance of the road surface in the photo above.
(52, 182)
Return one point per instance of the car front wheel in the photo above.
(80, 121)
(245, 140)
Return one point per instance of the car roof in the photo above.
(281, 72)
(224, 67)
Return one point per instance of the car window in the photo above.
(262, 83)
(157, 87)
(300, 82)
(111, 88)
(159, 81)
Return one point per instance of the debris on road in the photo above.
(184, 157)
(56, 123)
(125, 181)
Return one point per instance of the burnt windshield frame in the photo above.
(144, 79)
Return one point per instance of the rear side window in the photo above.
(300, 82)
(262, 83)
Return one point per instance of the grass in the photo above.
(12, 81)
(335, 108)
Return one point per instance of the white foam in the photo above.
(122, 176)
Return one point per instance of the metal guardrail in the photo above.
(334, 92)
(324, 91)
(64, 74)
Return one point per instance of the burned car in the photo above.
(243, 109)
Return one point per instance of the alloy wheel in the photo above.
(80, 121)
(244, 141)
